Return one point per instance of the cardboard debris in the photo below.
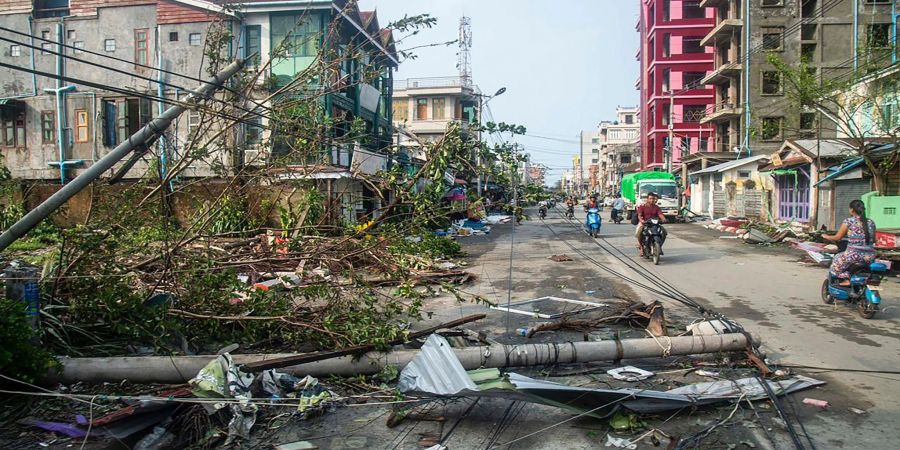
(560, 258)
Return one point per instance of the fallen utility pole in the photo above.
(329, 354)
(179, 369)
(142, 136)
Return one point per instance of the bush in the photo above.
(19, 358)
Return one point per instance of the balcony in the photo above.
(725, 28)
(722, 112)
(723, 73)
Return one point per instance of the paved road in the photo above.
(776, 298)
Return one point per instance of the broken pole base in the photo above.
(179, 369)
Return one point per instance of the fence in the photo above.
(745, 203)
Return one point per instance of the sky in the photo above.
(566, 64)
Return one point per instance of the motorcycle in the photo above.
(616, 216)
(542, 212)
(570, 212)
(652, 240)
(864, 288)
(592, 222)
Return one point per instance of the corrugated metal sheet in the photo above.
(169, 12)
(89, 7)
(15, 7)
(720, 204)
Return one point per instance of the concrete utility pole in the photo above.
(671, 143)
(581, 165)
(145, 134)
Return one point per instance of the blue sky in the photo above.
(566, 64)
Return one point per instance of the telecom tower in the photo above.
(465, 51)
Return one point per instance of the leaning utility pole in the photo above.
(146, 134)
(581, 165)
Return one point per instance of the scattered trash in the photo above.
(814, 402)
(709, 328)
(617, 442)
(624, 422)
(858, 411)
(560, 258)
(629, 373)
(590, 292)
(706, 373)
(55, 427)
(299, 445)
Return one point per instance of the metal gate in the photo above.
(720, 204)
(845, 191)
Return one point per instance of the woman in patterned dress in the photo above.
(860, 234)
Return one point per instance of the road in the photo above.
(765, 289)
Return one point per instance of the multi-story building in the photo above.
(424, 108)
(673, 63)
(620, 145)
(591, 141)
(832, 38)
(139, 56)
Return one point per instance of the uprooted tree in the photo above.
(172, 263)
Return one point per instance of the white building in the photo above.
(619, 147)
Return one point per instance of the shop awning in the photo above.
(841, 169)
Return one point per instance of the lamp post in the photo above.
(478, 155)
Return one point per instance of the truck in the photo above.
(636, 186)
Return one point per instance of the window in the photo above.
(298, 35)
(121, 119)
(665, 43)
(808, 9)
(422, 109)
(772, 128)
(879, 35)
(45, 35)
(692, 80)
(666, 76)
(193, 123)
(665, 114)
(13, 128)
(15, 51)
(46, 48)
(771, 83)
(667, 5)
(692, 45)
(595, 141)
(773, 2)
(808, 31)
(807, 121)
(629, 119)
(48, 127)
(253, 43)
(691, 10)
(807, 53)
(438, 106)
(194, 39)
(78, 47)
(694, 113)
(744, 174)
(109, 45)
(70, 34)
(141, 49)
(704, 145)
(401, 110)
(253, 130)
(685, 145)
(624, 159)
(773, 39)
(173, 36)
(82, 126)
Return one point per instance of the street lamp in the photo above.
(483, 104)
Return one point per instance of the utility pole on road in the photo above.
(581, 164)
(671, 144)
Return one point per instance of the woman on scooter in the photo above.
(860, 234)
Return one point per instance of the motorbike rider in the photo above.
(542, 208)
(860, 234)
(592, 203)
(645, 212)
(570, 206)
(618, 205)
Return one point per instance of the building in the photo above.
(140, 56)
(619, 147)
(832, 38)
(673, 62)
(424, 108)
(591, 142)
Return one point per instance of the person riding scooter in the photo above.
(645, 212)
(570, 207)
(618, 205)
(860, 234)
(542, 210)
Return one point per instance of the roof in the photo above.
(823, 148)
(731, 164)
(841, 169)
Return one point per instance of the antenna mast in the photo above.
(465, 51)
